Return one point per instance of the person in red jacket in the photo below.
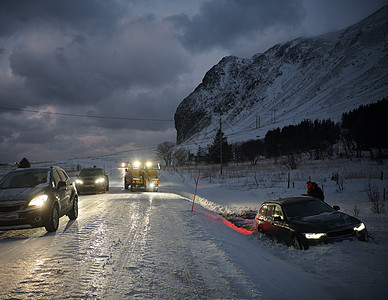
(314, 190)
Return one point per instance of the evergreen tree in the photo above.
(272, 143)
(367, 126)
(215, 151)
(251, 150)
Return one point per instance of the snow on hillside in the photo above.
(308, 78)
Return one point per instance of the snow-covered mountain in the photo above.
(306, 78)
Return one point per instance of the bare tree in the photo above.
(375, 198)
(181, 156)
(165, 151)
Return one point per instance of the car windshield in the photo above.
(91, 172)
(24, 179)
(306, 208)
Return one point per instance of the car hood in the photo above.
(325, 222)
(19, 194)
(90, 177)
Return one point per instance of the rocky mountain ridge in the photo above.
(306, 78)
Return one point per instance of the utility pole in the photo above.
(221, 145)
(274, 115)
(257, 121)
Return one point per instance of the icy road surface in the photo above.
(147, 245)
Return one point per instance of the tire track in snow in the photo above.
(128, 245)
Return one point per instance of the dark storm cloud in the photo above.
(221, 23)
(122, 58)
(87, 68)
(90, 15)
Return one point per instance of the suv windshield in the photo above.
(24, 179)
(91, 172)
(306, 208)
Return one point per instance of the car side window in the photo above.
(270, 210)
(56, 178)
(278, 212)
(266, 210)
(263, 210)
(62, 175)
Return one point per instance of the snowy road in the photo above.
(146, 245)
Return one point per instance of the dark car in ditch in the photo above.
(303, 221)
(37, 197)
(92, 180)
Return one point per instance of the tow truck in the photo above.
(141, 175)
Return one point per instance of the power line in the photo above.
(85, 116)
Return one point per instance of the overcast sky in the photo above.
(129, 62)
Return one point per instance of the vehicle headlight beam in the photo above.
(314, 236)
(360, 227)
(38, 200)
(100, 180)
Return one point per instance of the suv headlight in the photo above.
(314, 236)
(38, 200)
(79, 181)
(100, 180)
(360, 227)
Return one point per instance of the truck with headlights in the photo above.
(141, 175)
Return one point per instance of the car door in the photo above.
(61, 193)
(266, 218)
(67, 190)
(281, 230)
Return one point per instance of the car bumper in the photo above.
(32, 217)
(332, 238)
(91, 188)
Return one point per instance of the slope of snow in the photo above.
(360, 267)
(307, 78)
(168, 251)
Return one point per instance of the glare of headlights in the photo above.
(79, 181)
(38, 200)
(100, 180)
(123, 165)
(314, 236)
(149, 164)
(152, 184)
(360, 227)
(136, 164)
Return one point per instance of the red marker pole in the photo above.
(195, 192)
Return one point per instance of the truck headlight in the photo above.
(38, 200)
(360, 227)
(314, 236)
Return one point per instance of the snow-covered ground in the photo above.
(362, 267)
(150, 245)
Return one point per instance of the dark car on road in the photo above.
(304, 221)
(37, 197)
(92, 180)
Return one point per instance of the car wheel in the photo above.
(73, 213)
(259, 229)
(52, 221)
(363, 237)
(296, 243)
